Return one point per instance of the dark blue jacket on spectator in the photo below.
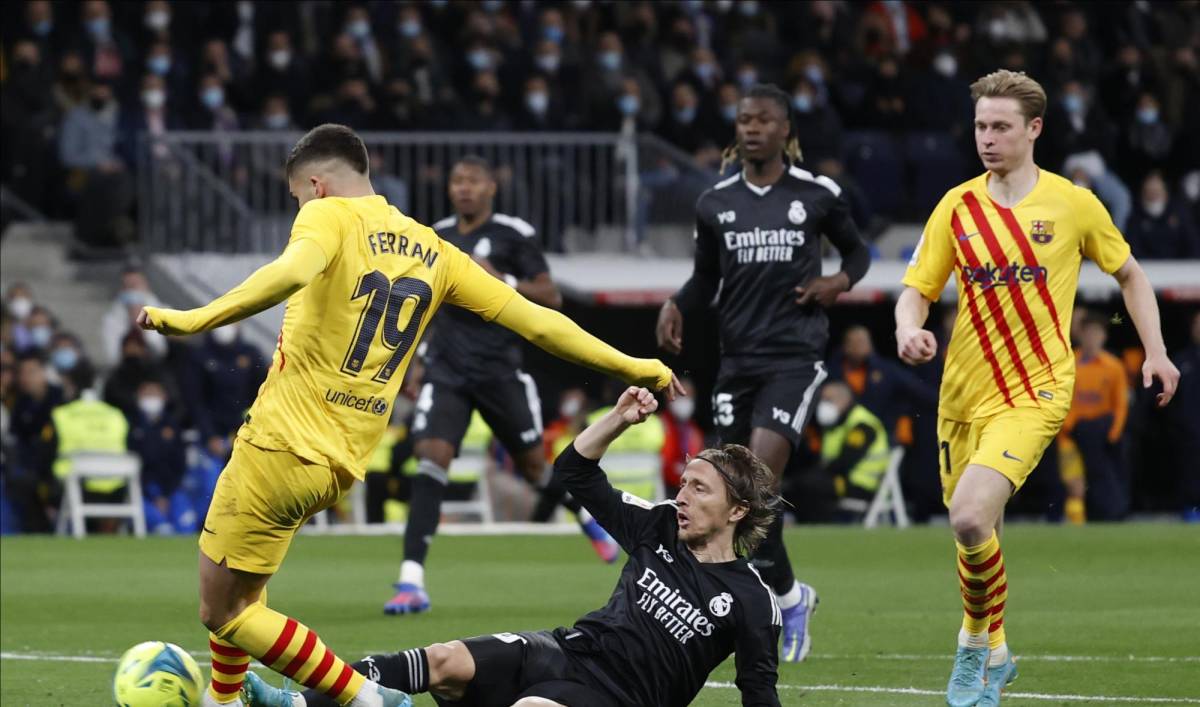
(221, 382)
(1172, 235)
(159, 443)
(32, 429)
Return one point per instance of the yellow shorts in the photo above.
(1011, 442)
(261, 500)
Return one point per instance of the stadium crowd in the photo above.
(879, 88)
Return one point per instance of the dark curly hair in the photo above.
(770, 92)
(750, 483)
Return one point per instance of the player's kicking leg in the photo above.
(261, 500)
(976, 507)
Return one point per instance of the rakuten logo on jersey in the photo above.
(666, 606)
(989, 276)
(764, 245)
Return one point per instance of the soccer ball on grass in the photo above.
(157, 674)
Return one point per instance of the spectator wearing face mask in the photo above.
(105, 48)
(283, 71)
(156, 436)
(135, 367)
(36, 332)
(854, 448)
(220, 384)
(99, 181)
(540, 109)
(18, 304)
(615, 88)
(1148, 139)
(1080, 138)
(686, 126)
(118, 320)
(572, 418)
(150, 118)
(1162, 227)
(682, 437)
(941, 97)
(41, 26)
(358, 26)
(70, 365)
(817, 124)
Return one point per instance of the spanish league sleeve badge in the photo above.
(1042, 232)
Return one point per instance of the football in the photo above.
(157, 674)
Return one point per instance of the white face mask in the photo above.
(154, 98)
(570, 407)
(1155, 208)
(224, 335)
(827, 413)
(1191, 186)
(279, 59)
(682, 408)
(152, 405)
(20, 307)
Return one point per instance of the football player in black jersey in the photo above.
(758, 242)
(473, 365)
(687, 599)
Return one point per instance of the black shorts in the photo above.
(510, 666)
(751, 394)
(510, 406)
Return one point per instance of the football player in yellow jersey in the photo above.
(362, 281)
(1014, 237)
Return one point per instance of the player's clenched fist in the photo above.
(915, 345)
(635, 405)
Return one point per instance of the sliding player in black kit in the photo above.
(687, 598)
(758, 241)
(472, 364)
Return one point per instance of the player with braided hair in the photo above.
(758, 235)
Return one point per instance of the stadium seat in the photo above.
(936, 165)
(101, 465)
(889, 497)
(471, 466)
(875, 162)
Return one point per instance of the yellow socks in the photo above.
(229, 665)
(984, 588)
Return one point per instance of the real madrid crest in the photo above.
(721, 604)
(1042, 232)
(796, 213)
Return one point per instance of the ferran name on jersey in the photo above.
(386, 243)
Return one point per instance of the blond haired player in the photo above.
(1014, 237)
(362, 281)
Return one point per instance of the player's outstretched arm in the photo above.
(1143, 309)
(271, 284)
(632, 408)
(914, 343)
(555, 333)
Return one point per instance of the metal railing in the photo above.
(225, 192)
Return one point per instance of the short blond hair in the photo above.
(1028, 94)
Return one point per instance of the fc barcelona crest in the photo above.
(1042, 232)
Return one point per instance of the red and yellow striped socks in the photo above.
(291, 648)
(984, 587)
(229, 664)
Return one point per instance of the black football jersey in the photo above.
(671, 619)
(758, 244)
(463, 347)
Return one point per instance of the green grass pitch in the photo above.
(1097, 615)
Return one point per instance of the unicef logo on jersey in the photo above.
(796, 213)
(721, 604)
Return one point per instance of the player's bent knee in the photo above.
(536, 702)
(969, 524)
(450, 665)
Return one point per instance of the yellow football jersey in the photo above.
(348, 336)
(1017, 272)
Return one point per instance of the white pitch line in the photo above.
(938, 693)
(1019, 657)
(9, 655)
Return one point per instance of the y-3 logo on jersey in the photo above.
(662, 552)
(727, 217)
